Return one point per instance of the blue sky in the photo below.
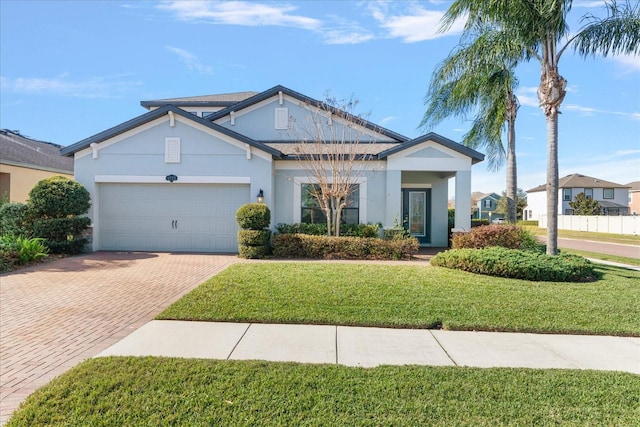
(71, 69)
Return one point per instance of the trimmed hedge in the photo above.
(63, 235)
(253, 216)
(253, 252)
(59, 197)
(320, 229)
(517, 264)
(506, 236)
(254, 237)
(331, 247)
(15, 219)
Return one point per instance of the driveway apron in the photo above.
(56, 315)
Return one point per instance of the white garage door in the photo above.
(170, 217)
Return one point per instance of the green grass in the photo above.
(413, 297)
(626, 239)
(179, 392)
(604, 257)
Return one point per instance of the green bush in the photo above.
(253, 216)
(320, 229)
(253, 252)
(62, 235)
(19, 250)
(506, 236)
(59, 197)
(254, 237)
(15, 219)
(517, 264)
(331, 247)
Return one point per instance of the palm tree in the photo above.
(478, 78)
(538, 29)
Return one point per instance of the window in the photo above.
(588, 193)
(566, 194)
(312, 214)
(172, 150)
(487, 203)
(607, 193)
(568, 211)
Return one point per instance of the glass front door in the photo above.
(415, 213)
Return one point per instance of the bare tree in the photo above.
(329, 149)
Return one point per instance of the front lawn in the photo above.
(413, 297)
(128, 391)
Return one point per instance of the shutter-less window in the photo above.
(282, 118)
(172, 150)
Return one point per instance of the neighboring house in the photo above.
(25, 161)
(485, 206)
(613, 198)
(634, 197)
(170, 180)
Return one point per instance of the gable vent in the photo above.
(282, 118)
(172, 150)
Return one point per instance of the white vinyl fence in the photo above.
(629, 224)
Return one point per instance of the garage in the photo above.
(169, 217)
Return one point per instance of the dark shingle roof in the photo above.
(576, 180)
(218, 100)
(19, 150)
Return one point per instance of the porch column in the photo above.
(393, 198)
(463, 200)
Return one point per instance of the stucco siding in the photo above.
(258, 122)
(18, 181)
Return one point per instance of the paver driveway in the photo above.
(55, 315)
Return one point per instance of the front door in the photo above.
(416, 213)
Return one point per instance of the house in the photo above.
(612, 197)
(634, 197)
(171, 180)
(25, 161)
(485, 206)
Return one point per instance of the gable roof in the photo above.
(217, 100)
(476, 157)
(269, 93)
(576, 180)
(157, 113)
(633, 186)
(19, 150)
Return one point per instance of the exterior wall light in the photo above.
(260, 196)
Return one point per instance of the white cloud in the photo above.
(415, 25)
(92, 87)
(239, 13)
(528, 96)
(387, 119)
(628, 63)
(191, 61)
(590, 111)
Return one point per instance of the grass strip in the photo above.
(413, 297)
(150, 391)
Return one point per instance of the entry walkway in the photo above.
(369, 347)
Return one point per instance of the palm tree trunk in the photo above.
(512, 173)
(552, 183)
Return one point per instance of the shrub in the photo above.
(254, 237)
(506, 236)
(59, 197)
(517, 264)
(253, 252)
(62, 235)
(320, 229)
(19, 250)
(15, 219)
(253, 216)
(331, 247)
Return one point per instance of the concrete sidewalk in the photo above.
(369, 347)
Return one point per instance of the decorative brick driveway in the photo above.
(55, 315)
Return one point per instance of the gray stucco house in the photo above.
(172, 179)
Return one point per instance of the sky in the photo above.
(71, 69)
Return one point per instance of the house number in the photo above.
(171, 178)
